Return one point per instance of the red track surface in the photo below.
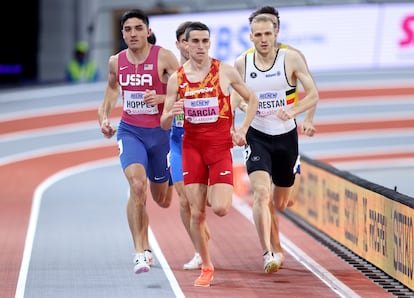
(234, 245)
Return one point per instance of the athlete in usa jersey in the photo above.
(141, 73)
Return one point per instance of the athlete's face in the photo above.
(198, 44)
(263, 35)
(182, 47)
(135, 33)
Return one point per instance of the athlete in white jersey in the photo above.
(306, 126)
(273, 92)
(272, 141)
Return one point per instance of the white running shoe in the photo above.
(149, 258)
(280, 259)
(270, 263)
(140, 264)
(194, 263)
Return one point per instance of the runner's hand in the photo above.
(107, 129)
(308, 128)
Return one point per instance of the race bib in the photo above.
(134, 104)
(201, 110)
(179, 120)
(269, 102)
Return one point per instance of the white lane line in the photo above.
(350, 118)
(164, 264)
(39, 112)
(56, 129)
(367, 153)
(325, 276)
(364, 134)
(388, 164)
(50, 131)
(366, 101)
(34, 216)
(24, 94)
(61, 149)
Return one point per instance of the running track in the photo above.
(46, 132)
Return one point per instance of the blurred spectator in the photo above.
(80, 68)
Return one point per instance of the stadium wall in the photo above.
(374, 222)
(372, 36)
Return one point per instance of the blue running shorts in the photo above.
(176, 153)
(146, 146)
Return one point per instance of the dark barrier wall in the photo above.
(374, 222)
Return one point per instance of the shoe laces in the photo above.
(139, 258)
(268, 254)
(147, 253)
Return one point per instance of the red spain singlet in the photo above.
(207, 140)
(207, 110)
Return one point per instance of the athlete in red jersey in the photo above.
(141, 72)
(200, 88)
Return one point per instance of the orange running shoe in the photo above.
(205, 278)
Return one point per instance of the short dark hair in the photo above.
(181, 29)
(195, 26)
(135, 13)
(152, 39)
(265, 9)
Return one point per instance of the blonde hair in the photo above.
(261, 19)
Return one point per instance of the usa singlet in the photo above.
(134, 82)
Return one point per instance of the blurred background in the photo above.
(39, 36)
(360, 52)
